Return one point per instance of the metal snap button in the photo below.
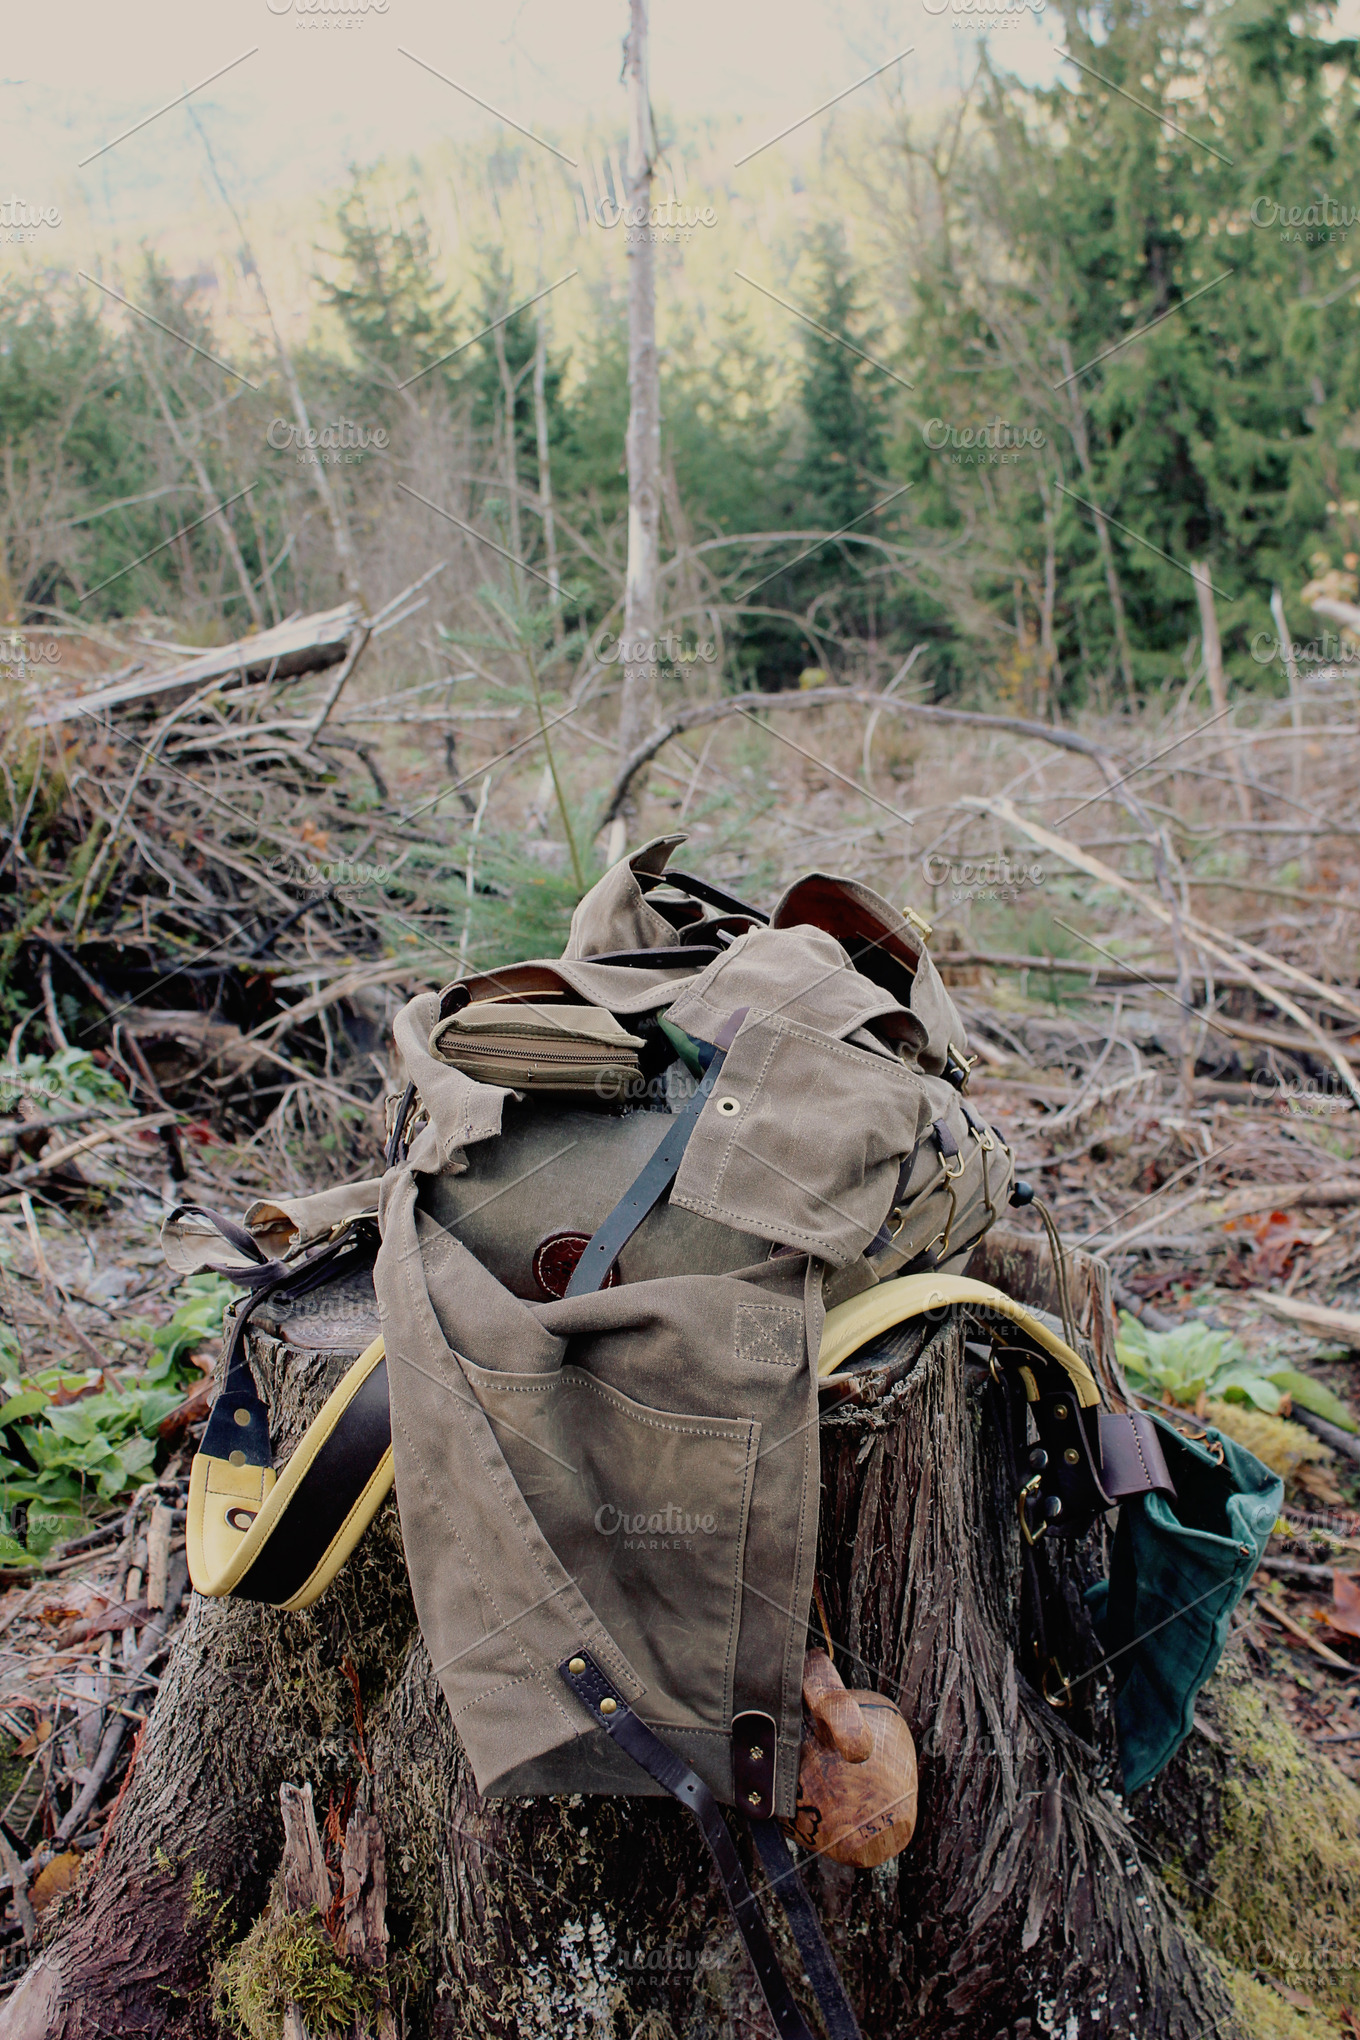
(576, 1667)
(609, 1706)
(1072, 1456)
(242, 1417)
(236, 1459)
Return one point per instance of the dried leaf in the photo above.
(55, 1878)
(31, 1744)
(1344, 1613)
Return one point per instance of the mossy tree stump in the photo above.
(1022, 1905)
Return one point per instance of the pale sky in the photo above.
(315, 97)
(304, 94)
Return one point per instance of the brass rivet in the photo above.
(609, 1706)
(576, 1667)
(236, 1459)
(1072, 1456)
(753, 1798)
(756, 1753)
(729, 1106)
(243, 1418)
(1060, 1410)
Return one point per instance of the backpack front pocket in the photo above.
(646, 1509)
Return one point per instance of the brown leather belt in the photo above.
(612, 1713)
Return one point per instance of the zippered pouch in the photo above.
(540, 1048)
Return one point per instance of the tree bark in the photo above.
(644, 398)
(1213, 670)
(1021, 1905)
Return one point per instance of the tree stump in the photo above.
(1021, 1907)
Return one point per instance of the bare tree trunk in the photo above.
(188, 453)
(509, 450)
(1291, 667)
(1213, 667)
(545, 494)
(1020, 1906)
(1077, 428)
(644, 399)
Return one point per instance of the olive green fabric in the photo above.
(555, 1170)
(632, 1473)
(1178, 1569)
(635, 1473)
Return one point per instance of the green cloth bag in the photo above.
(1177, 1571)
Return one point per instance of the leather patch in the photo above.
(753, 1754)
(771, 1333)
(555, 1259)
(1134, 1463)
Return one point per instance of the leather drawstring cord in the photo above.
(1055, 1248)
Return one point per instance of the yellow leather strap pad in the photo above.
(851, 1325)
(241, 1537)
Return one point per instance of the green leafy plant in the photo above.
(1195, 1360)
(1192, 1361)
(70, 1442)
(66, 1444)
(201, 1301)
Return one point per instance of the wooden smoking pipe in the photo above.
(856, 1771)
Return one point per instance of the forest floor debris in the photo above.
(207, 926)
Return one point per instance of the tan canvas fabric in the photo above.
(811, 1155)
(191, 1242)
(635, 1472)
(614, 915)
(822, 898)
(576, 1475)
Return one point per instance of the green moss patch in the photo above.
(1285, 1877)
(290, 1960)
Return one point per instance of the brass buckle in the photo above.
(955, 1059)
(919, 923)
(1062, 1699)
(1030, 1489)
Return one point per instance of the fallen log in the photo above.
(1342, 1325)
(304, 644)
(1332, 1194)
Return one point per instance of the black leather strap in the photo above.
(612, 1713)
(325, 1496)
(700, 889)
(647, 1189)
(226, 1431)
(801, 1914)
